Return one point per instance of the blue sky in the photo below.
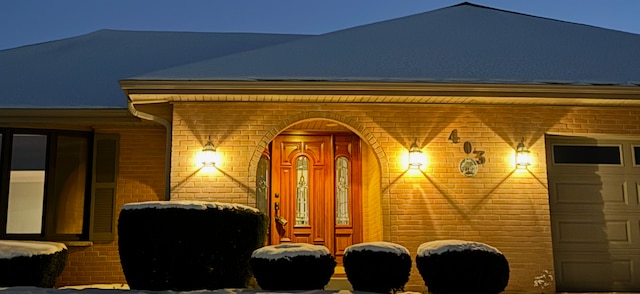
(24, 22)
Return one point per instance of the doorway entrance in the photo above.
(316, 191)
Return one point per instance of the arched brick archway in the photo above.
(351, 124)
(348, 122)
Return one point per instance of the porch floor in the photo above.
(339, 280)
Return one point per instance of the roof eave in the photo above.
(155, 91)
(64, 118)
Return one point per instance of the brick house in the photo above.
(316, 130)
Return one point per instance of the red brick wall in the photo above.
(140, 178)
(499, 206)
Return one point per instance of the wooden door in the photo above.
(303, 200)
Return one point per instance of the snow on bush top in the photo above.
(289, 250)
(442, 246)
(186, 204)
(10, 249)
(378, 247)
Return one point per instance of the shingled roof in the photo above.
(462, 43)
(465, 43)
(83, 72)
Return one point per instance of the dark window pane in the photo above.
(636, 155)
(70, 183)
(29, 152)
(586, 154)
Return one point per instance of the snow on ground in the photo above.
(187, 204)
(378, 247)
(99, 290)
(288, 250)
(441, 246)
(104, 289)
(10, 248)
(99, 286)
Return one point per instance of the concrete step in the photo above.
(338, 283)
(339, 280)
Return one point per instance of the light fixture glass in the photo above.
(523, 160)
(415, 156)
(208, 156)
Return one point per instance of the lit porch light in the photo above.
(208, 156)
(416, 157)
(523, 160)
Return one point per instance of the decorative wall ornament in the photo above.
(469, 166)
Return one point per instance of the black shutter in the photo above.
(103, 185)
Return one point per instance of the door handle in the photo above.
(280, 220)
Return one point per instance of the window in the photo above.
(26, 184)
(262, 184)
(342, 190)
(47, 190)
(578, 154)
(302, 191)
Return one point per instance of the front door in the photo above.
(316, 191)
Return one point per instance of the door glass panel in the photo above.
(262, 183)
(586, 154)
(342, 191)
(636, 154)
(26, 185)
(302, 191)
(70, 183)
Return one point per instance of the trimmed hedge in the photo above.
(291, 268)
(182, 249)
(37, 270)
(377, 267)
(472, 268)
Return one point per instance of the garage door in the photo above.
(595, 212)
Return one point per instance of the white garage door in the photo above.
(595, 212)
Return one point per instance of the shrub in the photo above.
(292, 266)
(188, 245)
(377, 266)
(453, 266)
(31, 263)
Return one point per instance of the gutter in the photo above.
(167, 158)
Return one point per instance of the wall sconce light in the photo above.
(208, 156)
(415, 156)
(523, 160)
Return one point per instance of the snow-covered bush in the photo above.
(381, 267)
(31, 263)
(292, 266)
(454, 266)
(188, 245)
